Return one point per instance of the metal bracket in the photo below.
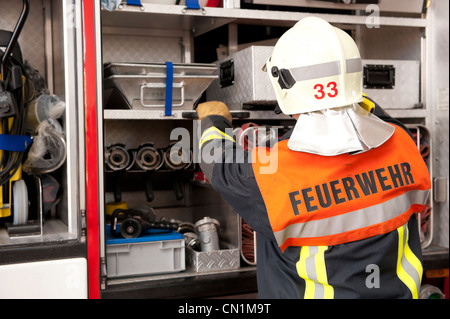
(440, 189)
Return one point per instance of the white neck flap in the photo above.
(330, 132)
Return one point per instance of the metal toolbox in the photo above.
(406, 6)
(202, 3)
(393, 84)
(242, 80)
(143, 85)
(163, 1)
(157, 68)
(215, 260)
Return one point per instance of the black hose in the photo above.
(15, 35)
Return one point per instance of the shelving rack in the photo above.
(172, 21)
(68, 42)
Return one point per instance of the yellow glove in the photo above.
(213, 108)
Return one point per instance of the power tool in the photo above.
(132, 223)
(14, 102)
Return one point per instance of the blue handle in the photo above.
(169, 89)
(134, 2)
(192, 4)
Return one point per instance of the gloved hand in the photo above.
(213, 108)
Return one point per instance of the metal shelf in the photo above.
(157, 19)
(186, 115)
(177, 17)
(244, 114)
(398, 6)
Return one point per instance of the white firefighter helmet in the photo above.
(316, 71)
(315, 66)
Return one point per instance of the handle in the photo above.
(234, 114)
(149, 193)
(161, 86)
(114, 219)
(178, 188)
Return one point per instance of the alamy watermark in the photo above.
(73, 14)
(225, 147)
(373, 279)
(373, 19)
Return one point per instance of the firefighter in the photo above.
(334, 202)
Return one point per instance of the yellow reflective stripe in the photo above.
(356, 220)
(401, 273)
(301, 270)
(409, 267)
(213, 133)
(210, 137)
(311, 268)
(415, 262)
(322, 273)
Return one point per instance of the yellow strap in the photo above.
(367, 104)
(213, 133)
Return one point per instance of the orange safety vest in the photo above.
(315, 200)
